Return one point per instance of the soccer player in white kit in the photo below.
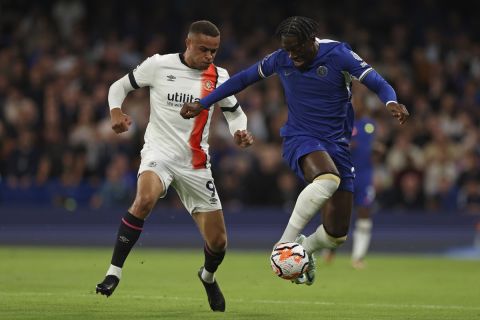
(175, 152)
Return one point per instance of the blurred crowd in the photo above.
(58, 59)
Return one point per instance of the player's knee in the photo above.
(327, 183)
(143, 205)
(218, 243)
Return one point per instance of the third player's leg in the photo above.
(363, 212)
(362, 234)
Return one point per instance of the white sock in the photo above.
(208, 276)
(309, 202)
(320, 239)
(361, 238)
(115, 271)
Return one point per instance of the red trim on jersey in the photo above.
(208, 83)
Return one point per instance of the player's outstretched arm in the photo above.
(398, 111)
(233, 85)
(191, 110)
(387, 95)
(119, 120)
(243, 138)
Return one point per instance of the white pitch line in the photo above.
(282, 302)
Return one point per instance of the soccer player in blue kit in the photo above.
(316, 75)
(361, 146)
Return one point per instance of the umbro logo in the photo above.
(171, 77)
(152, 164)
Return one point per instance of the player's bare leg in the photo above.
(212, 228)
(149, 189)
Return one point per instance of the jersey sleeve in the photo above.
(353, 63)
(144, 73)
(230, 102)
(268, 65)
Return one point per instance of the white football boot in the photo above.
(309, 276)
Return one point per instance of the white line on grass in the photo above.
(282, 302)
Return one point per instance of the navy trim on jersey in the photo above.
(182, 59)
(132, 80)
(230, 109)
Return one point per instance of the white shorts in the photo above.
(195, 187)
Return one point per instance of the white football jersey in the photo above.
(171, 84)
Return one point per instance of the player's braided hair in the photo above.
(301, 27)
(204, 27)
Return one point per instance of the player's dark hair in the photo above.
(204, 27)
(301, 27)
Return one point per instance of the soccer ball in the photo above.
(289, 260)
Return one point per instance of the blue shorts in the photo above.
(295, 147)
(363, 186)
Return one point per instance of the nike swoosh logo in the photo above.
(288, 73)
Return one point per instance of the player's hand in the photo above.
(120, 121)
(191, 110)
(243, 138)
(398, 111)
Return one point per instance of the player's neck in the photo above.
(183, 59)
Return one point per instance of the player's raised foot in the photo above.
(214, 294)
(308, 277)
(108, 285)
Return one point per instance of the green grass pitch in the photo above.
(58, 283)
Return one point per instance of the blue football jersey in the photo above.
(317, 97)
(362, 143)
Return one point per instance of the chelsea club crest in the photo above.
(322, 71)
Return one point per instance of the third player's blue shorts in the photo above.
(364, 191)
